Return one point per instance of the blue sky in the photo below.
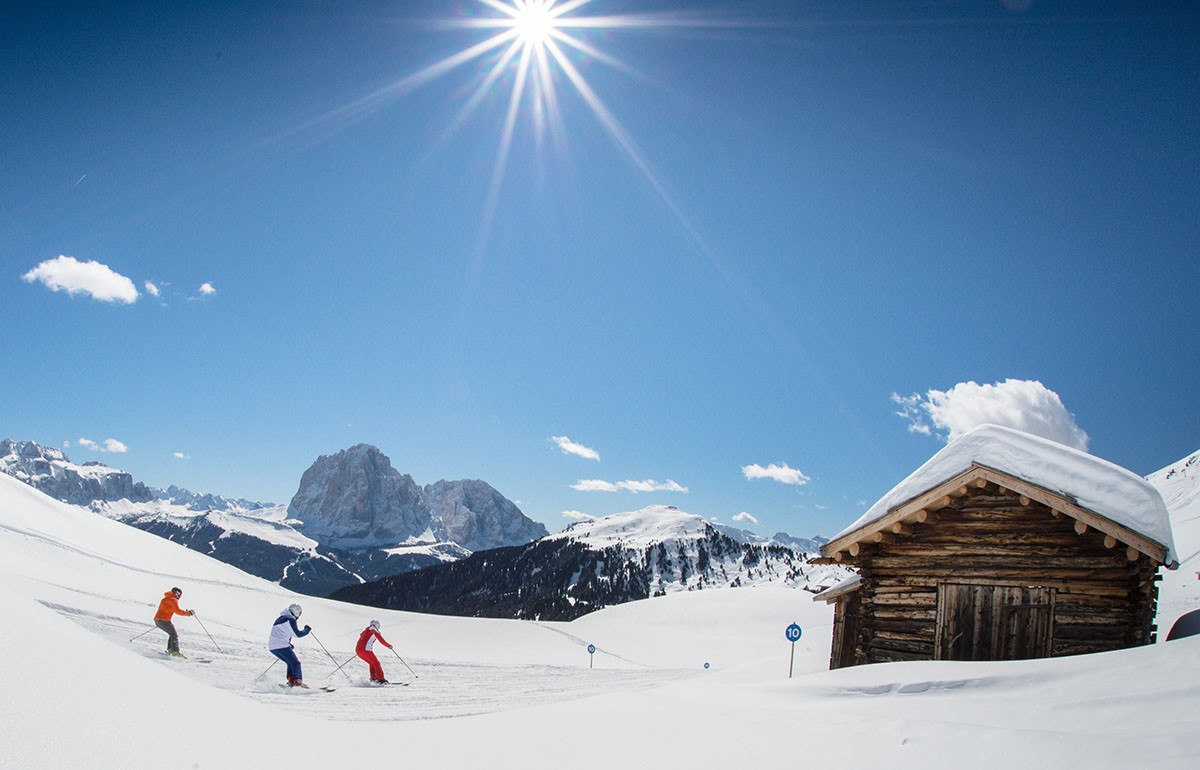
(754, 258)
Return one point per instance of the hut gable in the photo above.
(1000, 548)
(1082, 481)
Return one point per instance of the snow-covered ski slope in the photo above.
(75, 587)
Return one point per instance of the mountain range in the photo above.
(353, 518)
(599, 563)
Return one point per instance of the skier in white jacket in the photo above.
(280, 643)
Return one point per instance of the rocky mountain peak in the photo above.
(49, 470)
(475, 515)
(356, 499)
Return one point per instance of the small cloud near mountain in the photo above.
(570, 447)
(781, 472)
(649, 485)
(110, 446)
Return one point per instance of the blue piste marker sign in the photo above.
(793, 635)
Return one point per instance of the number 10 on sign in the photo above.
(793, 635)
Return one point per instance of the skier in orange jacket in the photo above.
(167, 609)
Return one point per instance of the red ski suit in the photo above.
(366, 640)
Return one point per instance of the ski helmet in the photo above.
(177, 591)
(375, 624)
(295, 610)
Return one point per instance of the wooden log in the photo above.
(883, 538)
(1025, 501)
(1060, 648)
(945, 554)
(900, 528)
(1132, 553)
(890, 644)
(925, 516)
(1110, 541)
(980, 560)
(1088, 632)
(906, 599)
(954, 574)
(855, 548)
(906, 613)
(953, 536)
(878, 655)
(1080, 527)
(1063, 587)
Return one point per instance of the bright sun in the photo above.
(534, 22)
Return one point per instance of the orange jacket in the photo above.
(169, 607)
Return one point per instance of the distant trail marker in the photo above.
(793, 635)
(591, 654)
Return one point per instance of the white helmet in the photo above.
(375, 624)
(295, 610)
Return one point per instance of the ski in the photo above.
(181, 656)
(289, 687)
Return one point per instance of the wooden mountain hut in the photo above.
(1003, 546)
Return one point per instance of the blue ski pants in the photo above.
(288, 656)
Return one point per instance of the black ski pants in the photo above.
(172, 636)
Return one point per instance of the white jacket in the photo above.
(284, 631)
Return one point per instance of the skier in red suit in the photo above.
(366, 641)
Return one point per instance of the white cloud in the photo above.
(744, 517)
(110, 445)
(206, 289)
(569, 447)
(578, 516)
(594, 485)
(649, 485)
(181, 456)
(1025, 405)
(151, 288)
(781, 473)
(100, 282)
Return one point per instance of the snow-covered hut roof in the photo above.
(1092, 487)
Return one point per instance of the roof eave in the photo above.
(917, 509)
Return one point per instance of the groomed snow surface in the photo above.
(76, 587)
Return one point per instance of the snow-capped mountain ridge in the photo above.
(330, 548)
(593, 564)
(49, 470)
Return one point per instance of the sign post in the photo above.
(793, 635)
(591, 654)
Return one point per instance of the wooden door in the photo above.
(846, 627)
(991, 622)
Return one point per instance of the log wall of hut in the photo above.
(1100, 597)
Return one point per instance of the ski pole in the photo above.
(260, 676)
(339, 668)
(210, 636)
(331, 658)
(414, 673)
(148, 630)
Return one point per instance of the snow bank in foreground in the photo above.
(74, 589)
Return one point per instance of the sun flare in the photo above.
(534, 22)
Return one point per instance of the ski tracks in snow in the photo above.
(441, 690)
